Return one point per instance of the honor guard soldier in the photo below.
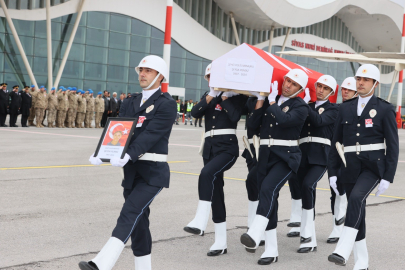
(99, 109)
(146, 171)
(363, 125)
(89, 108)
(222, 111)
(15, 105)
(315, 143)
(52, 107)
(41, 103)
(26, 103)
(63, 104)
(4, 100)
(280, 121)
(339, 199)
(31, 118)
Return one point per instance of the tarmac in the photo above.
(57, 209)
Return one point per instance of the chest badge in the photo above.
(321, 110)
(218, 107)
(373, 113)
(285, 109)
(150, 108)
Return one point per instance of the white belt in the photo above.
(250, 141)
(314, 139)
(214, 132)
(154, 157)
(271, 142)
(366, 147)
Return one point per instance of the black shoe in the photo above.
(185, 124)
(88, 266)
(201, 126)
(340, 221)
(293, 234)
(4, 125)
(194, 231)
(306, 250)
(294, 224)
(15, 126)
(216, 252)
(337, 259)
(248, 242)
(262, 243)
(177, 124)
(332, 240)
(267, 261)
(305, 240)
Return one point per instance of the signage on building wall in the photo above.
(315, 47)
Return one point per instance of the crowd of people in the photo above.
(62, 107)
(184, 109)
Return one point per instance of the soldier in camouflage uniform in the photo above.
(63, 105)
(99, 109)
(72, 108)
(31, 118)
(89, 109)
(52, 107)
(41, 103)
(81, 109)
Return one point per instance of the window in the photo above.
(96, 55)
(97, 37)
(120, 24)
(140, 44)
(99, 20)
(119, 41)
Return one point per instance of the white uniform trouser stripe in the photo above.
(272, 197)
(133, 226)
(215, 177)
(362, 201)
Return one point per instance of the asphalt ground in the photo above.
(57, 209)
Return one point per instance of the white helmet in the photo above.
(328, 81)
(349, 83)
(368, 71)
(207, 72)
(298, 76)
(156, 63)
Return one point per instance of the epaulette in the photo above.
(384, 100)
(349, 100)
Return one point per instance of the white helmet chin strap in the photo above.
(293, 95)
(152, 83)
(331, 92)
(370, 90)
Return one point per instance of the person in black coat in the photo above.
(4, 100)
(146, 171)
(222, 112)
(315, 144)
(120, 101)
(366, 139)
(280, 119)
(26, 103)
(15, 105)
(106, 109)
(113, 105)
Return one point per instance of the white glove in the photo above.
(333, 185)
(95, 160)
(274, 91)
(307, 97)
(213, 93)
(229, 94)
(384, 184)
(257, 94)
(118, 162)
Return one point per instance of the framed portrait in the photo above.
(115, 138)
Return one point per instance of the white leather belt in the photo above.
(315, 139)
(215, 132)
(366, 147)
(271, 142)
(250, 141)
(154, 157)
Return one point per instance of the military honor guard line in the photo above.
(294, 134)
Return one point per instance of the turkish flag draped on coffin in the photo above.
(248, 68)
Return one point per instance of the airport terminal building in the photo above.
(113, 36)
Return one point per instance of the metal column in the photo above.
(18, 42)
(167, 42)
(285, 40)
(49, 43)
(271, 38)
(69, 45)
(235, 31)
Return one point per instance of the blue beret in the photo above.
(63, 89)
(69, 88)
(32, 85)
(42, 86)
(53, 88)
(74, 88)
(99, 93)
